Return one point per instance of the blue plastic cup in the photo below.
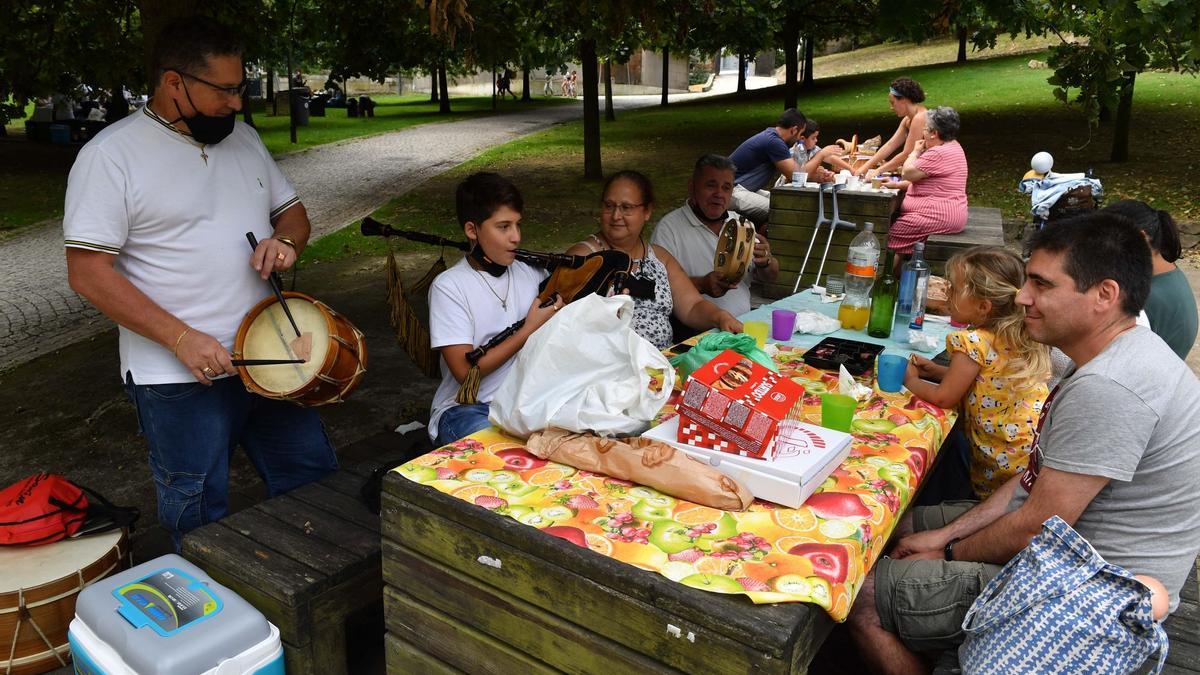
(891, 370)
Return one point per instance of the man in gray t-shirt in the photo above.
(1115, 455)
(1129, 415)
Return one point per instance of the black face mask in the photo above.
(206, 129)
(493, 268)
(703, 218)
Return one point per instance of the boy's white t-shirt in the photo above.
(176, 220)
(464, 309)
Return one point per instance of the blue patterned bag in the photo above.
(1058, 607)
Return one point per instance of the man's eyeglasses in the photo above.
(622, 209)
(237, 91)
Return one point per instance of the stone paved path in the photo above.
(338, 183)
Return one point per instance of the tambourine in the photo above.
(735, 250)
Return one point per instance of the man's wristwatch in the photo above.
(948, 551)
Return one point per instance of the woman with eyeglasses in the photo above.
(625, 208)
(935, 173)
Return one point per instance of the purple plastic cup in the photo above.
(783, 324)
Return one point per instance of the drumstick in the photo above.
(276, 286)
(265, 362)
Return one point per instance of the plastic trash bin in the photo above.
(298, 99)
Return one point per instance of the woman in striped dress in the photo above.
(936, 170)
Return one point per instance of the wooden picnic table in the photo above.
(473, 589)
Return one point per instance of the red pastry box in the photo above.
(735, 405)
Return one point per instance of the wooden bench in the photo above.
(1183, 628)
(308, 560)
(984, 228)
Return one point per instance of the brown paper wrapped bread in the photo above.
(645, 462)
(938, 296)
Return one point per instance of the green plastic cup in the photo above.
(837, 411)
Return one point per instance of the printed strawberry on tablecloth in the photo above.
(817, 553)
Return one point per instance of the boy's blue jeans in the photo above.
(192, 431)
(461, 421)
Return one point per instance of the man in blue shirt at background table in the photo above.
(758, 158)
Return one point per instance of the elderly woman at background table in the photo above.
(936, 170)
(626, 206)
(905, 97)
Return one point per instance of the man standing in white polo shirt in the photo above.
(690, 233)
(157, 210)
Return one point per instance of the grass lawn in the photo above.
(1008, 114)
(33, 176)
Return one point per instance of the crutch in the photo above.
(833, 225)
(821, 220)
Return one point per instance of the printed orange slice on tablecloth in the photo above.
(548, 476)
(719, 566)
(796, 520)
(699, 515)
(470, 492)
(600, 544)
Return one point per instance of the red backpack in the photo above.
(46, 507)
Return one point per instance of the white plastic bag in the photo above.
(816, 323)
(584, 370)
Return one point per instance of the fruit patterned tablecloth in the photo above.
(817, 553)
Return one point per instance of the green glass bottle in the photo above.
(883, 302)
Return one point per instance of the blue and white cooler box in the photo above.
(167, 616)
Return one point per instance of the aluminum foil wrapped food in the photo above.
(645, 462)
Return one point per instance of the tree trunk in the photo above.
(493, 90)
(741, 73)
(1120, 149)
(962, 44)
(791, 36)
(271, 92)
(609, 114)
(433, 84)
(591, 110)
(809, 48)
(525, 95)
(444, 87)
(666, 58)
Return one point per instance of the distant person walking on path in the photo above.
(504, 83)
(574, 80)
(548, 90)
(157, 209)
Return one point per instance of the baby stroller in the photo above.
(1055, 196)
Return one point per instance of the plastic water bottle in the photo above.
(914, 285)
(861, 263)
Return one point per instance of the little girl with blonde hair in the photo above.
(996, 370)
